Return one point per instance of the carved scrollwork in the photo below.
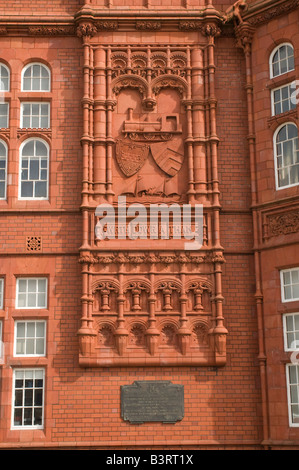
(282, 224)
(169, 83)
(148, 25)
(131, 82)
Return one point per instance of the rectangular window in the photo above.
(31, 293)
(291, 331)
(28, 398)
(1, 293)
(2, 176)
(290, 285)
(30, 338)
(35, 115)
(293, 394)
(281, 100)
(4, 112)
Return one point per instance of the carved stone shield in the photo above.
(169, 156)
(131, 156)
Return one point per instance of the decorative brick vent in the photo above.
(33, 244)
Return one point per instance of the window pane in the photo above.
(20, 330)
(41, 300)
(40, 346)
(31, 330)
(287, 277)
(293, 375)
(2, 190)
(18, 398)
(27, 84)
(34, 169)
(28, 397)
(44, 175)
(35, 122)
(44, 122)
(42, 285)
(32, 285)
(38, 416)
(28, 149)
(295, 414)
(294, 175)
(296, 291)
(18, 417)
(31, 300)
(45, 84)
(20, 346)
(288, 292)
(290, 340)
(22, 300)
(41, 149)
(292, 131)
(40, 329)
(40, 189)
(38, 397)
(30, 346)
(27, 416)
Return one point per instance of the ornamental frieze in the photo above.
(283, 223)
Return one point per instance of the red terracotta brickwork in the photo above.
(195, 85)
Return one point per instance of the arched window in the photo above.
(282, 60)
(34, 169)
(3, 169)
(286, 155)
(36, 77)
(4, 78)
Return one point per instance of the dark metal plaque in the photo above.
(148, 401)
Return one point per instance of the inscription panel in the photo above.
(149, 401)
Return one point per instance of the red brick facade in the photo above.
(210, 320)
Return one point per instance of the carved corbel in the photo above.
(244, 33)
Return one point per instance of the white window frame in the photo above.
(17, 293)
(25, 338)
(295, 343)
(34, 198)
(30, 103)
(7, 105)
(6, 160)
(35, 91)
(272, 56)
(291, 87)
(7, 69)
(283, 299)
(1, 293)
(288, 366)
(24, 427)
(278, 188)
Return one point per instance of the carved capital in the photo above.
(211, 30)
(86, 30)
